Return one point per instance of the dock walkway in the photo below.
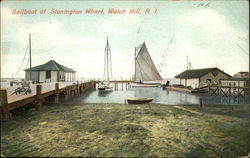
(39, 94)
(46, 87)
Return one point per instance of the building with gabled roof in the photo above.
(49, 72)
(201, 77)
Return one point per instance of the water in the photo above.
(160, 96)
(5, 82)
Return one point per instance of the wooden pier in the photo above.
(125, 84)
(228, 90)
(39, 94)
(213, 90)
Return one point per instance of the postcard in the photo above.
(165, 78)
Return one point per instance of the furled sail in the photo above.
(145, 69)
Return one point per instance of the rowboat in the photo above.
(139, 100)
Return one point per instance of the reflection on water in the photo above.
(103, 93)
(159, 95)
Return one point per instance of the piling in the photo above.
(5, 115)
(94, 84)
(200, 103)
(56, 92)
(39, 94)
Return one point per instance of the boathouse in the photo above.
(49, 72)
(201, 77)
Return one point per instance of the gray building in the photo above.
(201, 77)
(49, 72)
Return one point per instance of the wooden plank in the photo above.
(21, 100)
(20, 103)
(4, 98)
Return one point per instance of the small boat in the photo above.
(144, 85)
(105, 86)
(101, 88)
(199, 91)
(139, 100)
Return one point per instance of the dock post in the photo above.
(229, 90)
(57, 93)
(67, 93)
(200, 103)
(77, 87)
(80, 89)
(94, 85)
(39, 94)
(5, 114)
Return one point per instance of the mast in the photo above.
(135, 64)
(107, 61)
(30, 53)
(187, 73)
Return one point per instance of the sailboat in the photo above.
(146, 74)
(105, 85)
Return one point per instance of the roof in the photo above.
(197, 73)
(52, 66)
(243, 72)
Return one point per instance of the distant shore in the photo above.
(151, 130)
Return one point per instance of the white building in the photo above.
(201, 77)
(242, 74)
(49, 72)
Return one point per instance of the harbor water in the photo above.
(159, 95)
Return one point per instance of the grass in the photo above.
(114, 130)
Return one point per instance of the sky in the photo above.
(209, 33)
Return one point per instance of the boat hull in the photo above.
(144, 85)
(101, 88)
(139, 101)
(105, 88)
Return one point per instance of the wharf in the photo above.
(218, 90)
(39, 94)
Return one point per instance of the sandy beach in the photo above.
(150, 130)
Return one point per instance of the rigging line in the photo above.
(104, 64)
(111, 76)
(22, 61)
(27, 62)
(242, 49)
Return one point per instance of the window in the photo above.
(209, 80)
(48, 74)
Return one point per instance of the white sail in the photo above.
(145, 69)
